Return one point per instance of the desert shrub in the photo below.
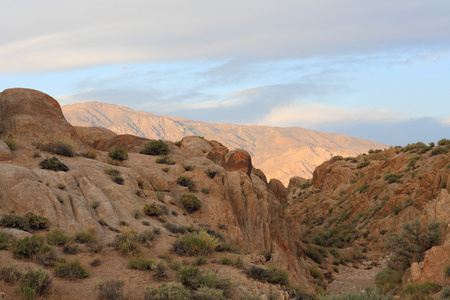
(173, 228)
(115, 176)
(191, 203)
(187, 182)
(314, 254)
(315, 272)
(34, 282)
(4, 240)
(96, 262)
(151, 210)
(110, 290)
(367, 294)
(227, 247)
(420, 290)
(205, 191)
(63, 148)
(14, 221)
(37, 222)
(225, 261)
(199, 261)
(71, 270)
(118, 153)
(139, 263)
(388, 280)
(29, 247)
(85, 236)
(363, 164)
(271, 275)
(200, 243)
(71, 249)
(447, 271)
(53, 163)
(11, 143)
(410, 245)
(148, 235)
(123, 223)
(170, 291)
(194, 278)
(61, 186)
(210, 173)
(165, 160)
(95, 247)
(155, 148)
(10, 274)
(160, 271)
(372, 151)
(392, 178)
(207, 293)
(126, 244)
(118, 179)
(137, 213)
(91, 153)
(445, 293)
(47, 259)
(102, 222)
(438, 150)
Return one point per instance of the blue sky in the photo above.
(378, 70)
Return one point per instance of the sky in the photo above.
(378, 70)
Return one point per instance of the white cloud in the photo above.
(75, 33)
(313, 114)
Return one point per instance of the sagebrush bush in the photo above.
(367, 294)
(53, 163)
(10, 274)
(13, 221)
(200, 243)
(29, 247)
(392, 178)
(110, 290)
(314, 254)
(191, 203)
(388, 280)
(210, 173)
(151, 210)
(187, 182)
(64, 148)
(155, 148)
(160, 271)
(420, 290)
(173, 228)
(85, 236)
(447, 271)
(34, 282)
(71, 270)
(410, 245)
(165, 160)
(194, 278)
(445, 293)
(139, 263)
(118, 153)
(271, 275)
(47, 259)
(167, 291)
(37, 222)
(4, 240)
(126, 244)
(71, 249)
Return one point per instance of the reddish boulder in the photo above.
(217, 154)
(238, 160)
(129, 142)
(279, 189)
(29, 115)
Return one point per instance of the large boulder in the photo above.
(238, 160)
(32, 116)
(5, 152)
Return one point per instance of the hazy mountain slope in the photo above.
(280, 152)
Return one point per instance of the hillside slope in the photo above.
(280, 152)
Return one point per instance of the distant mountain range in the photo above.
(280, 152)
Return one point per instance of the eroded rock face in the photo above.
(28, 115)
(278, 188)
(217, 154)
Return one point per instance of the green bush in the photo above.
(71, 249)
(37, 222)
(226, 261)
(392, 178)
(207, 293)
(110, 290)
(34, 282)
(118, 153)
(10, 274)
(314, 254)
(368, 294)
(420, 290)
(447, 271)
(29, 247)
(199, 261)
(445, 293)
(126, 244)
(438, 150)
(71, 270)
(141, 264)
(155, 148)
(13, 221)
(165, 160)
(53, 163)
(194, 278)
(169, 291)
(63, 148)
(272, 275)
(187, 182)
(173, 228)
(148, 235)
(85, 236)
(200, 243)
(210, 173)
(151, 210)
(388, 280)
(410, 245)
(4, 240)
(114, 174)
(191, 203)
(160, 271)
(47, 259)
(315, 272)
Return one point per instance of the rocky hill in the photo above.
(280, 152)
(199, 205)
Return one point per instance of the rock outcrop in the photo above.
(32, 116)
